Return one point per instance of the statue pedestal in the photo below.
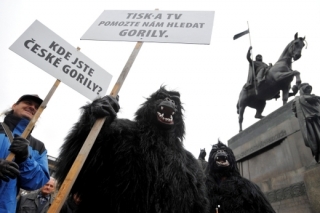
(272, 154)
(312, 183)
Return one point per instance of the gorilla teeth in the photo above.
(161, 116)
(224, 163)
(165, 114)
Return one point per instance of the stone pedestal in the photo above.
(312, 183)
(272, 154)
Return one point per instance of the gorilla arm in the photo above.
(252, 195)
(107, 106)
(201, 202)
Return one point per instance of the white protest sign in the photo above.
(45, 49)
(191, 27)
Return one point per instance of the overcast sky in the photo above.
(208, 77)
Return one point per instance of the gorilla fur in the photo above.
(228, 189)
(136, 166)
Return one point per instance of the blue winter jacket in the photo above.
(34, 171)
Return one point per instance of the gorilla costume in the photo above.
(228, 189)
(136, 166)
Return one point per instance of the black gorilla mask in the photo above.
(221, 159)
(166, 110)
(164, 107)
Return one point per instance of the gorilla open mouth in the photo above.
(222, 161)
(165, 114)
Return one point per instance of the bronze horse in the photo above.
(277, 77)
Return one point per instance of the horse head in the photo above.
(296, 47)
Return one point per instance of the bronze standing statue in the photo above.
(307, 109)
(276, 78)
(202, 159)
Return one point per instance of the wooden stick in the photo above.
(34, 119)
(86, 147)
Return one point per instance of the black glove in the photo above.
(106, 106)
(19, 147)
(8, 169)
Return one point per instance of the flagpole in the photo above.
(253, 71)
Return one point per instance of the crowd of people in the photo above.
(29, 168)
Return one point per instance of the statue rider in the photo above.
(259, 70)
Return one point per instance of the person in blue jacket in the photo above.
(29, 169)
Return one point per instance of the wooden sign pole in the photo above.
(74, 171)
(33, 121)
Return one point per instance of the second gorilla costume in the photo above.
(136, 166)
(228, 190)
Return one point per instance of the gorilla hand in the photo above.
(106, 106)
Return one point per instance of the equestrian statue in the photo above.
(270, 80)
